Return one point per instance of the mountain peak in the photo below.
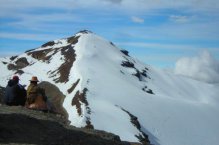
(84, 32)
(106, 88)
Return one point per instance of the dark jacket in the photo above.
(15, 94)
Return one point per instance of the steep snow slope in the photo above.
(109, 90)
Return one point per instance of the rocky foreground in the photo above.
(22, 126)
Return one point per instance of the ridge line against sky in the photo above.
(158, 32)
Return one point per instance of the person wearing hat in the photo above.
(15, 93)
(36, 98)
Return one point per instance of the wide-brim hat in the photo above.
(34, 79)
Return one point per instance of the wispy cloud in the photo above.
(179, 18)
(137, 19)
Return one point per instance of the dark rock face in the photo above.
(19, 125)
(56, 98)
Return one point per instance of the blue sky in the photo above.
(157, 32)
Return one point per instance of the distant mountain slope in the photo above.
(109, 90)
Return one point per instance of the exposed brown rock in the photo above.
(78, 99)
(64, 69)
(73, 86)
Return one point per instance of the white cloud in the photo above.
(202, 67)
(137, 19)
(179, 19)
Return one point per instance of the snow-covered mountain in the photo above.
(109, 90)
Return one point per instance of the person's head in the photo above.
(15, 79)
(34, 80)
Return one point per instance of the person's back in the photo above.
(15, 94)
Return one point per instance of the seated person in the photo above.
(15, 93)
(36, 98)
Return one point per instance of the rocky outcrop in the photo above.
(55, 98)
(19, 125)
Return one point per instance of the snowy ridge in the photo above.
(107, 89)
